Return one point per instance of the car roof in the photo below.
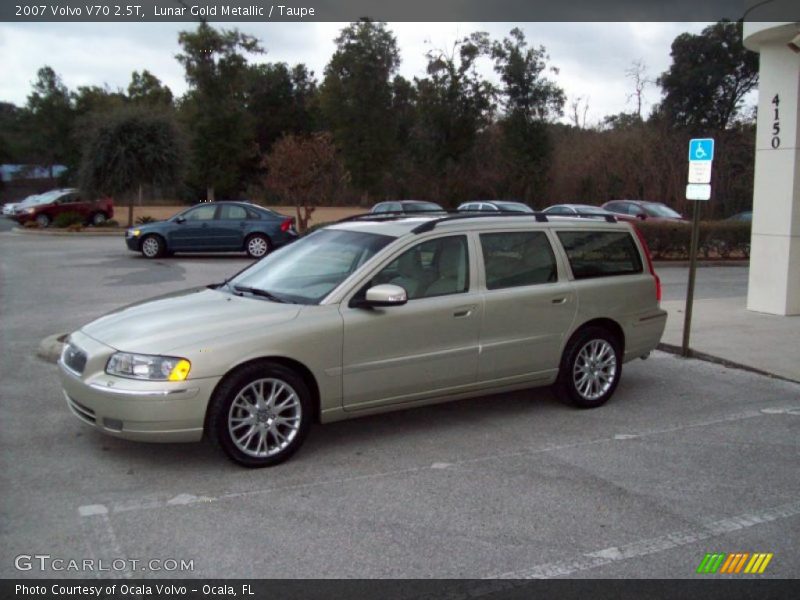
(398, 227)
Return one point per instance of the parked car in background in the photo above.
(409, 206)
(214, 227)
(46, 207)
(494, 206)
(9, 208)
(644, 210)
(742, 217)
(370, 315)
(583, 210)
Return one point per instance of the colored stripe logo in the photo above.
(734, 563)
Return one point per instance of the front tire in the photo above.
(43, 220)
(590, 368)
(260, 415)
(98, 218)
(258, 246)
(153, 246)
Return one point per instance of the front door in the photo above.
(425, 348)
(196, 229)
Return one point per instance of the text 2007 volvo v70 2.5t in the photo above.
(370, 315)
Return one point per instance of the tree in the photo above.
(147, 90)
(303, 170)
(454, 102)
(356, 100)
(214, 109)
(281, 101)
(637, 73)
(530, 101)
(51, 119)
(128, 149)
(710, 75)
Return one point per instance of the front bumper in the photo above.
(132, 241)
(148, 411)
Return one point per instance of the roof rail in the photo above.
(389, 215)
(430, 225)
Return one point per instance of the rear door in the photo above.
(529, 306)
(233, 221)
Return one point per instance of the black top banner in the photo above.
(134, 11)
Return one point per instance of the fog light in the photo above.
(113, 424)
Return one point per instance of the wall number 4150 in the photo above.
(776, 124)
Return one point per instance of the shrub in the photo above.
(143, 220)
(66, 219)
(717, 239)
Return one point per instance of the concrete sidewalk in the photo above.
(725, 329)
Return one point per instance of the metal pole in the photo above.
(687, 322)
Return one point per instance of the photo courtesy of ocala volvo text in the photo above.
(374, 313)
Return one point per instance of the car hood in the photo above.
(182, 319)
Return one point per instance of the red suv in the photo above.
(51, 204)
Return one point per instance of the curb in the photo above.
(50, 347)
(25, 231)
(677, 350)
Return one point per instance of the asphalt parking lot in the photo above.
(687, 458)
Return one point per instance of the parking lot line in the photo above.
(668, 541)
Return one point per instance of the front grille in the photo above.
(74, 358)
(84, 413)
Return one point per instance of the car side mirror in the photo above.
(383, 295)
(642, 216)
(180, 220)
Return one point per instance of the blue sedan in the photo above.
(214, 227)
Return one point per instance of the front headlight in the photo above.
(30, 211)
(134, 233)
(151, 368)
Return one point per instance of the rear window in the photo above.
(600, 253)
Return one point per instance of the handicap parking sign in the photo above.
(701, 149)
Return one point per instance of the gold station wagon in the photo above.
(372, 314)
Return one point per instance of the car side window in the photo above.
(514, 259)
(233, 212)
(201, 213)
(433, 268)
(600, 253)
(559, 210)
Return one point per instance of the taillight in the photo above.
(287, 225)
(643, 242)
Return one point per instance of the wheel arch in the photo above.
(295, 365)
(153, 233)
(255, 232)
(608, 324)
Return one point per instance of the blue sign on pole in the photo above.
(701, 149)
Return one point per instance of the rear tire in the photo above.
(258, 245)
(153, 246)
(98, 218)
(260, 414)
(590, 368)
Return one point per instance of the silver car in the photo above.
(366, 316)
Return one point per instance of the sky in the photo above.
(591, 58)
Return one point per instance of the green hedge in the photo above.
(718, 239)
(66, 219)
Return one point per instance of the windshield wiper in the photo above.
(259, 292)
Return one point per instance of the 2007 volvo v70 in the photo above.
(369, 315)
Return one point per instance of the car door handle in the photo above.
(463, 312)
(560, 300)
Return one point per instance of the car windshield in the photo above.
(308, 270)
(514, 206)
(45, 198)
(660, 210)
